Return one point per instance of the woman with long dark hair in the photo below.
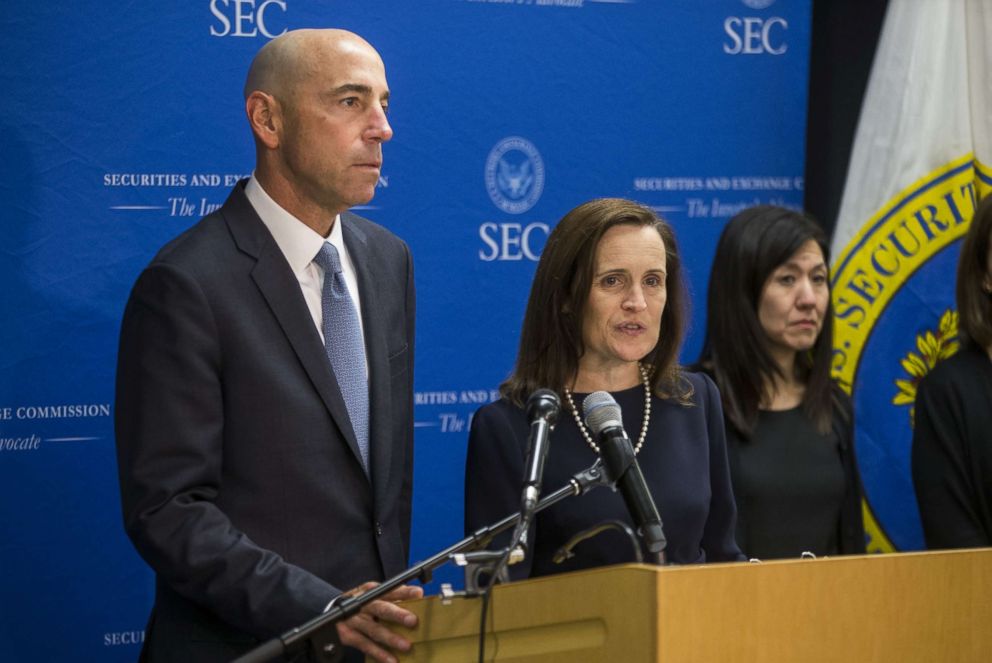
(952, 438)
(606, 313)
(789, 427)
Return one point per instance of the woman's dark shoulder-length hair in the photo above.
(753, 244)
(973, 297)
(551, 337)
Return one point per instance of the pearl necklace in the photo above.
(644, 425)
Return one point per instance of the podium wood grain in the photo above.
(911, 607)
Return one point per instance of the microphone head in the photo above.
(601, 411)
(543, 404)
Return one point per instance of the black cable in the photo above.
(519, 535)
(500, 565)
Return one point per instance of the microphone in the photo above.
(542, 413)
(602, 416)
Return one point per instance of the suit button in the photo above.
(378, 529)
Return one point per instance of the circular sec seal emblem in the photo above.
(758, 4)
(514, 175)
(893, 322)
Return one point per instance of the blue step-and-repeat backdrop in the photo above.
(125, 124)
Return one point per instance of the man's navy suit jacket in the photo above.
(241, 481)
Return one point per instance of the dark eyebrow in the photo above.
(792, 264)
(352, 87)
(356, 88)
(623, 270)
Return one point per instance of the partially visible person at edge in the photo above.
(606, 313)
(790, 434)
(952, 438)
(253, 479)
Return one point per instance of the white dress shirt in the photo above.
(300, 244)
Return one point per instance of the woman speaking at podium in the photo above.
(606, 313)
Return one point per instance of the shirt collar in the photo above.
(297, 241)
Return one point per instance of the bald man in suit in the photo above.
(250, 482)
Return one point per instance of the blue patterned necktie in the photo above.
(345, 346)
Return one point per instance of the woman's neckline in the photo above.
(783, 410)
(637, 387)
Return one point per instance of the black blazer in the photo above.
(240, 478)
(952, 451)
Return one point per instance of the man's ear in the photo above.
(265, 118)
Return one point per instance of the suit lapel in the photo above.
(376, 352)
(281, 290)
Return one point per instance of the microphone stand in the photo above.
(320, 633)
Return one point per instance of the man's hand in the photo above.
(366, 632)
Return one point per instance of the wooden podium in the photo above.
(931, 607)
